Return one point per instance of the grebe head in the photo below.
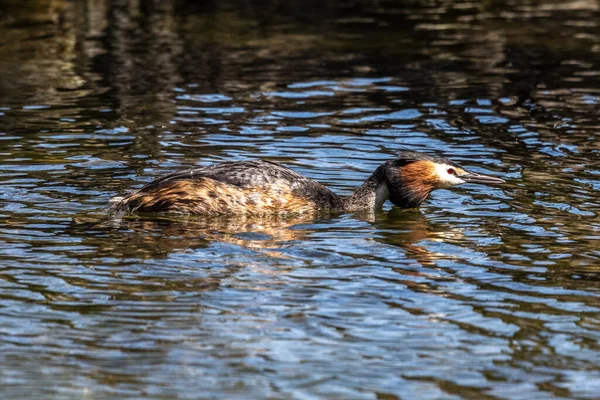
(413, 175)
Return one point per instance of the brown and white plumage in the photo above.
(263, 187)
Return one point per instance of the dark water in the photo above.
(484, 293)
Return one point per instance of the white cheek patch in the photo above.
(447, 180)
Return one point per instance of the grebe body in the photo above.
(263, 187)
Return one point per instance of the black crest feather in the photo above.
(406, 156)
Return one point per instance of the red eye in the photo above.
(451, 171)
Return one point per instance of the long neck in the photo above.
(370, 196)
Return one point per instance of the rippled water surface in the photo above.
(483, 293)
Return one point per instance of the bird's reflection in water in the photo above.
(151, 236)
(156, 236)
(412, 231)
(408, 229)
(271, 239)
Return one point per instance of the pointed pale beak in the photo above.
(473, 177)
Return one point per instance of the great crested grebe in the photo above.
(263, 187)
